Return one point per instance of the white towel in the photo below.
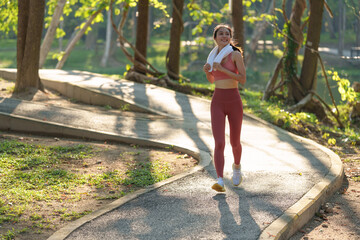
(217, 58)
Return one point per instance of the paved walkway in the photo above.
(286, 177)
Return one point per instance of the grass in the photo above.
(274, 111)
(191, 61)
(36, 173)
(258, 72)
(32, 175)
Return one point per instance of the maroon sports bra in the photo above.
(229, 65)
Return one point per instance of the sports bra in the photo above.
(229, 65)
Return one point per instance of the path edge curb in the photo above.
(300, 213)
(74, 90)
(28, 125)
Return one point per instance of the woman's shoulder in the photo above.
(236, 55)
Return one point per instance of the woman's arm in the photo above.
(209, 75)
(238, 60)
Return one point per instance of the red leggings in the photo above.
(226, 102)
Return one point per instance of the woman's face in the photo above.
(222, 37)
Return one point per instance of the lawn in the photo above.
(47, 182)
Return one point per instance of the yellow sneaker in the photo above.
(217, 187)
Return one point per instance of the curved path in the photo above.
(286, 177)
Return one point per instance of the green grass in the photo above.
(35, 173)
(7, 45)
(191, 61)
(274, 112)
(349, 38)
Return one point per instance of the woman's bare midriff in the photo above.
(226, 83)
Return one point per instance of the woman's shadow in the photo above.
(237, 222)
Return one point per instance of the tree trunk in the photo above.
(259, 31)
(358, 32)
(288, 7)
(73, 42)
(50, 34)
(308, 78)
(61, 38)
(91, 38)
(342, 17)
(141, 33)
(331, 29)
(30, 26)
(134, 23)
(106, 55)
(114, 37)
(238, 23)
(295, 23)
(293, 43)
(150, 26)
(177, 27)
(358, 26)
(309, 67)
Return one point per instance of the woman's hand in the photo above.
(217, 67)
(209, 75)
(207, 67)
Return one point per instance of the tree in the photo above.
(342, 26)
(79, 34)
(132, 75)
(301, 90)
(238, 23)
(308, 74)
(287, 65)
(106, 55)
(259, 31)
(141, 35)
(309, 67)
(293, 43)
(357, 21)
(50, 34)
(177, 27)
(30, 26)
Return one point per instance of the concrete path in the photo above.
(286, 177)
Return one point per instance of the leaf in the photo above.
(332, 141)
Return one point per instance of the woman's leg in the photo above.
(218, 130)
(235, 117)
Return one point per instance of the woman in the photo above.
(226, 101)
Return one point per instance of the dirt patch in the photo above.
(339, 218)
(51, 215)
(46, 217)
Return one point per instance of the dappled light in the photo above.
(148, 105)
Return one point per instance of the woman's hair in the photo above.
(216, 29)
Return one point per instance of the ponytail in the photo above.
(236, 48)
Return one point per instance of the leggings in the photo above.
(226, 102)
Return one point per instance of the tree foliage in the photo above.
(8, 16)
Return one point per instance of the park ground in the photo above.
(42, 218)
(339, 218)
